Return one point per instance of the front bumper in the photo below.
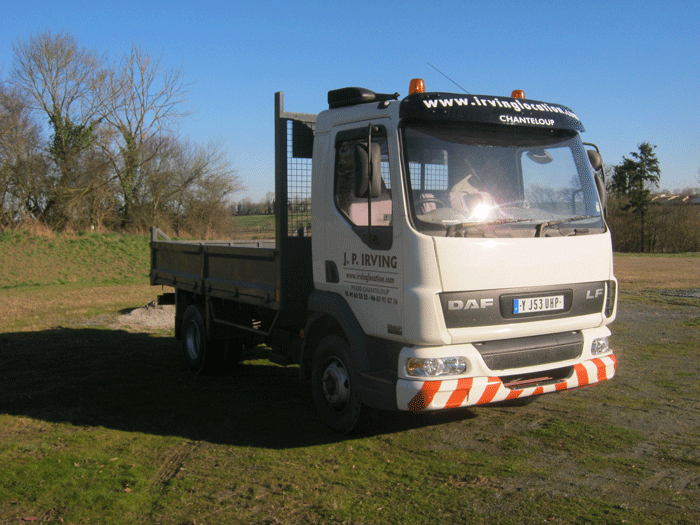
(418, 396)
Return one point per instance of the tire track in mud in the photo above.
(173, 464)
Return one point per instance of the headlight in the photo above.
(600, 346)
(434, 367)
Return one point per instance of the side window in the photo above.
(362, 180)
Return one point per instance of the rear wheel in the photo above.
(333, 385)
(202, 355)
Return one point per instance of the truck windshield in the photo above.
(499, 181)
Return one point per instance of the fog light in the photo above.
(434, 367)
(600, 346)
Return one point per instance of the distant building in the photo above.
(675, 199)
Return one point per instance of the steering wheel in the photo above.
(456, 230)
(425, 200)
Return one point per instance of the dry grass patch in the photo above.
(29, 309)
(642, 272)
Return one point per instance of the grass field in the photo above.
(100, 424)
(257, 226)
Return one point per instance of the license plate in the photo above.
(538, 304)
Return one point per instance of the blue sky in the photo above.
(629, 70)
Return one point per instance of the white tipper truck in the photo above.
(432, 252)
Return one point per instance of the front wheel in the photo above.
(334, 386)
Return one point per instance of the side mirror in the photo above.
(595, 159)
(368, 178)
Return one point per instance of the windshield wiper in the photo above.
(544, 226)
(460, 230)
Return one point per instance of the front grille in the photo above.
(531, 351)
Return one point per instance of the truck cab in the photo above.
(461, 242)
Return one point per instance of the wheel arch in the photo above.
(332, 315)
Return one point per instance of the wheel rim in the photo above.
(336, 385)
(192, 341)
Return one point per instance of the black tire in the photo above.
(333, 385)
(202, 356)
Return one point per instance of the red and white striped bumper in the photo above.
(417, 396)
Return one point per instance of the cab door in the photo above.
(363, 262)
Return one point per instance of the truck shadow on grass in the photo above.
(137, 382)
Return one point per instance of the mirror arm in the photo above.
(602, 193)
(369, 185)
(602, 168)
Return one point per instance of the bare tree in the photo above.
(63, 80)
(145, 101)
(23, 166)
(207, 181)
(114, 145)
(187, 185)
